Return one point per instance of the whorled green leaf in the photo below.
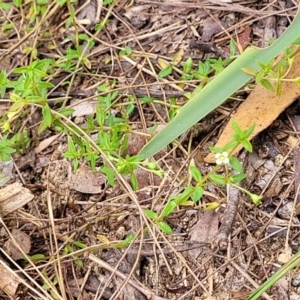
(164, 227)
(195, 173)
(219, 179)
(237, 178)
(235, 164)
(168, 209)
(220, 88)
(150, 214)
(197, 194)
(165, 72)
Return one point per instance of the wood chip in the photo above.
(13, 197)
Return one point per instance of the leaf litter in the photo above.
(156, 31)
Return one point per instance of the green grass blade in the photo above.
(219, 89)
(294, 261)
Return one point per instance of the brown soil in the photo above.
(78, 225)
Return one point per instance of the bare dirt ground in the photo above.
(74, 224)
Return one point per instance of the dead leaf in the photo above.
(245, 37)
(262, 107)
(285, 255)
(88, 13)
(83, 108)
(204, 230)
(87, 181)
(5, 64)
(212, 27)
(23, 241)
(178, 57)
(42, 162)
(46, 143)
(136, 142)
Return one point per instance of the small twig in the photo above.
(186, 247)
(221, 239)
(139, 286)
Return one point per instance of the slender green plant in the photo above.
(232, 174)
(291, 264)
(205, 99)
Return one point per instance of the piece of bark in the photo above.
(296, 154)
(221, 239)
(9, 282)
(13, 197)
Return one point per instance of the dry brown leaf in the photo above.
(211, 27)
(46, 143)
(262, 107)
(83, 108)
(87, 181)
(285, 255)
(204, 230)
(23, 241)
(5, 64)
(245, 37)
(88, 13)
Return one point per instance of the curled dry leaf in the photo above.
(23, 241)
(211, 27)
(46, 143)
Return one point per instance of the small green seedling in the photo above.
(232, 174)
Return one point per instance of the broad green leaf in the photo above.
(66, 111)
(79, 262)
(37, 257)
(80, 244)
(211, 206)
(47, 115)
(247, 145)
(134, 182)
(219, 89)
(187, 65)
(256, 199)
